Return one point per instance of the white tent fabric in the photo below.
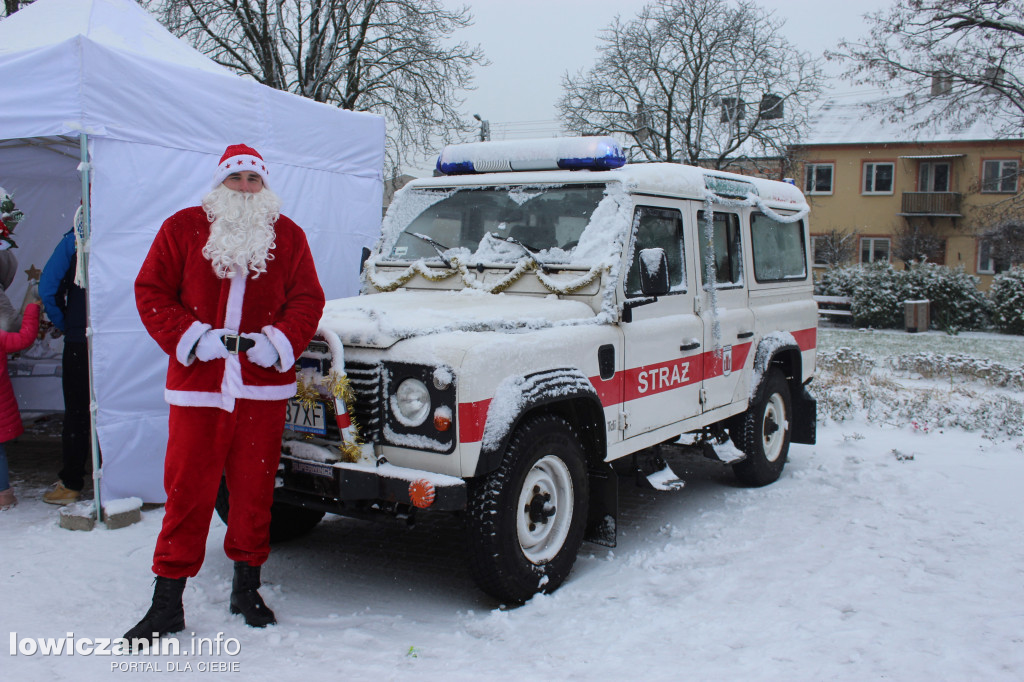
(157, 115)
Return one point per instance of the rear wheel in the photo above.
(526, 519)
(287, 522)
(763, 432)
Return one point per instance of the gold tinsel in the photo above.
(339, 387)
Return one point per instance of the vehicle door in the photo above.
(724, 307)
(663, 337)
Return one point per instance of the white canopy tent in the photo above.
(156, 115)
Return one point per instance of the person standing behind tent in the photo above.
(230, 292)
(63, 297)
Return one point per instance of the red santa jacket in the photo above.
(11, 342)
(179, 298)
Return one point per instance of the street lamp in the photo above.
(485, 128)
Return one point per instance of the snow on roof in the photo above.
(856, 123)
(121, 25)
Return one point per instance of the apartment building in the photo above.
(894, 193)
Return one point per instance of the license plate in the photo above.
(307, 418)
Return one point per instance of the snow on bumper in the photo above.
(344, 482)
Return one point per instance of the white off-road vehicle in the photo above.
(534, 314)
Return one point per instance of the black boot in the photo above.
(166, 616)
(246, 600)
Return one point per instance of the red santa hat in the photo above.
(238, 158)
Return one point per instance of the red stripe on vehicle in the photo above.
(472, 418)
(806, 338)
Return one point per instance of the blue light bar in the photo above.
(561, 153)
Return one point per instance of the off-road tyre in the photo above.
(525, 520)
(763, 432)
(287, 522)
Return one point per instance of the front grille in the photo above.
(367, 383)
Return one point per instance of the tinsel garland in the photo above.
(341, 390)
(459, 268)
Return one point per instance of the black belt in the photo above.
(236, 343)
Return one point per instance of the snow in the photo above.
(883, 552)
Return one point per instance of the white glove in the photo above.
(210, 346)
(263, 353)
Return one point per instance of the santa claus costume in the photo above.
(232, 312)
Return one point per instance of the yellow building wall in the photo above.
(848, 209)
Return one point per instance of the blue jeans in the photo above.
(5, 479)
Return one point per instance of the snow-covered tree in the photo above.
(695, 81)
(945, 60)
(390, 57)
(12, 6)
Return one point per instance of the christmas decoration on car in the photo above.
(10, 216)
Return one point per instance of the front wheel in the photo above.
(526, 519)
(763, 432)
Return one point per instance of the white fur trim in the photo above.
(285, 352)
(188, 341)
(239, 163)
(199, 399)
(236, 294)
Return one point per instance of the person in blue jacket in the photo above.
(64, 302)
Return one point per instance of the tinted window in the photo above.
(723, 253)
(658, 228)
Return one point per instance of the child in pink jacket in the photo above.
(10, 416)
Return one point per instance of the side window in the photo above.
(658, 228)
(778, 249)
(724, 251)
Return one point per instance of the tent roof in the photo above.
(109, 69)
(117, 24)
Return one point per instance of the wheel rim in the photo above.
(773, 428)
(545, 509)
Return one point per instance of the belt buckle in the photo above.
(232, 342)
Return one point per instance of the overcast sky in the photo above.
(532, 43)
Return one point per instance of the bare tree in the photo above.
(834, 248)
(12, 6)
(1007, 243)
(709, 82)
(944, 60)
(390, 57)
(917, 243)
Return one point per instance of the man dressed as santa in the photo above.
(229, 291)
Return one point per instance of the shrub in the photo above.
(1007, 300)
(956, 302)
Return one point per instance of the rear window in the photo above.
(778, 249)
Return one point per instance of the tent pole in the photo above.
(97, 471)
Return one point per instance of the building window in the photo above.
(878, 178)
(1000, 176)
(818, 248)
(933, 176)
(818, 178)
(986, 264)
(874, 250)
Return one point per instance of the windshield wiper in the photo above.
(530, 252)
(438, 247)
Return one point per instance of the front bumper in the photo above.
(338, 486)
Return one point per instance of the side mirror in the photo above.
(653, 272)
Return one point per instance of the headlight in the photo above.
(411, 402)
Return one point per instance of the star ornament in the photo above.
(33, 273)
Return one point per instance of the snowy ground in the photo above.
(883, 552)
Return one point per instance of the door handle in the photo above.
(744, 335)
(690, 346)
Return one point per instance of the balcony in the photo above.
(935, 204)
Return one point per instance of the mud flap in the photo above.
(604, 507)
(805, 417)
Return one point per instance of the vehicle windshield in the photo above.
(497, 224)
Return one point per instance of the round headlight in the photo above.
(411, 402)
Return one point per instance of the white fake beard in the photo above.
(242, 230)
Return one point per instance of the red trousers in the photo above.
(203, 443)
